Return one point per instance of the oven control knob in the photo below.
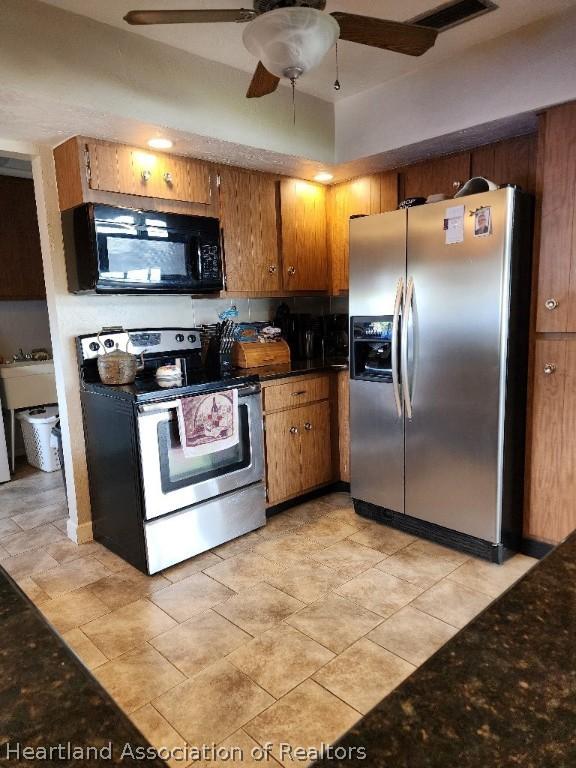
(94, 346)
(108, 343)
(179, 338)
(192, 338)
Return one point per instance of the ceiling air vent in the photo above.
(454, 13)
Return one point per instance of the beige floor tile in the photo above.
(200, 641)
(73, 609)
(489, 578)
(347, 515)
(381, 537)
(244, 570)
(84, 648)
(379, 592)
(364, 674)
(127, 627)
(259, 608)
(66, 550)
(239, 750)
(327, 531)
(29, 564)
(35, 517)
(62, 524)
(417, 567)
(452, 603)
(161, 735)
(110, 560)
(306, 580)
(236, 546)
(348, 557)
(413, 635)
(32, 590)
(309, 512)
(38, 538)
(125, 587)
(337, 499)
(335, 622)
(283, 549)
(280, 659)
(213, 704)
(308, 717)
(279, 525)
(3, 553)
(437, 550)
(137, 677)
(71, 576)
(190, 567)
(190, 596)
(8, 527)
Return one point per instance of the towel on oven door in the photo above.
(208, 423)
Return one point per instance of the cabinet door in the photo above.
(22, 276)
(250, 230)
(104, 169)
(304, 250)
(556, 299)
(184, 179)
(314, 423)
(283, 467)
(551, 513)
(442, 175)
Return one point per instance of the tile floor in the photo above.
(286, 635)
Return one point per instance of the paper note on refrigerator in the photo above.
(454, 224)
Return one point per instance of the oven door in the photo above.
(172, 482)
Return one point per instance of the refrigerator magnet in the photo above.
(483, 222)
(454, 224)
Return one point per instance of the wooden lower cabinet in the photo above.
(315, 444)
(551, 491)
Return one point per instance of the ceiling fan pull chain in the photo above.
(293, 81)
(337, 85)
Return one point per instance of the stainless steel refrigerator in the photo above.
(439, 307)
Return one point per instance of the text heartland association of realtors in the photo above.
(207, 752)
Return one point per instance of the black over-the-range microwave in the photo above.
(123, 250)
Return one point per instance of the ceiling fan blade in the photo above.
(410, 39)
(263, 83)
(188, 17)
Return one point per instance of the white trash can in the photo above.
(37, 426)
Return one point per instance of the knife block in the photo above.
(255, 354)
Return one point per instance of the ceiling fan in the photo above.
(291, 37)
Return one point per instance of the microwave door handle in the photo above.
(408, 310)
(395, 335)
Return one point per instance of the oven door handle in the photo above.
(168, 405)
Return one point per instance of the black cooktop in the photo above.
(147, 388)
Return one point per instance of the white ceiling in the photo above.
(361, 67)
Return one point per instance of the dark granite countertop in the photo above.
(501, 693)
(49, 699)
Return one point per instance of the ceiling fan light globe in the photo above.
(291, 39)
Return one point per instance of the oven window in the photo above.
(145, 261)
(177, 471)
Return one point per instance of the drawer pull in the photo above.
(552, 304)
(293, 430)
(168, 177)
(272, 269)
(146, 175)
(308, 426)
(291, 271)
(300, 393)
(549, 369)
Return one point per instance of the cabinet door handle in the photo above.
(293, 430)
(168, 178)
(308, 426)
(146, 175)
(272, 269)
(552, 304)
(299, 394)
(291, 270)
(549, 369)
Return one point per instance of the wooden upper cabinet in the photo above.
(248, 215)
(304, 248)
(556, 297)
(441, 175)
(90, 170)
(21, 273)
(360, 197)
(508, 162)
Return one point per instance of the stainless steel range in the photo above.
(152, 503)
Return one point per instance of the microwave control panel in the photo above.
(209, 262)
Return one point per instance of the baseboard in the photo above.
(81, 534)
(535, 548)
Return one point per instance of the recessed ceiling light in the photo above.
(324, 177)
(160, 143)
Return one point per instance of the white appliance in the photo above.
(4, 468)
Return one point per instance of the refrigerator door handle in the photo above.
(404, 350)
(395, 333)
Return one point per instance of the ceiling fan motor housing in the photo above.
(263, 6)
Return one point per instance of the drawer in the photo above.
(290, 395)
